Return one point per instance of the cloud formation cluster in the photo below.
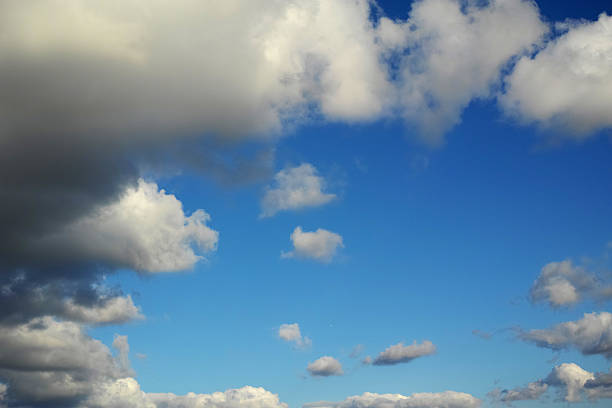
(572, 382)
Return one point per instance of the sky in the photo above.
(307, 203)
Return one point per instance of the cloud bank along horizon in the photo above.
(99, 97)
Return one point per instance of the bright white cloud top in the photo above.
(567, 84)
(320, 245)
(324, 367)
(145, 230)
(295, 188)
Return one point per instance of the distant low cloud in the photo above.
(324, 367)
(568, 84)
(446, 399)
(291, 332)
(572, 382)
(320, 245)
(563, 284)
(399, 353)
(590, 335)
(295, 188)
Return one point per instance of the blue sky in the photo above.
(438, 208)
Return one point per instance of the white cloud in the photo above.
(145, 230)
(568, 84)
(291, 332)
(114, 310)
(456, 53)
(325, 367)
(320, 245)
(590, 335)
(295, 188)
(446, 399)
(572, 382)
(571, 378)
(47, 362)
(399, 353)
(563, 283)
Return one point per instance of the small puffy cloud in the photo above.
(291, 332)
(399, 353)
(295, 188)
(320, 245)
(568, 84)
(563, 283)
(145, 230)
(325, 367)
(446, 399)
(590, 335)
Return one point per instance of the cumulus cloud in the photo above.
(145, 230)
(320, 245)
(291, 332)
(295, 188)
(47, 362)
(590, 335)
(446, 399)
(572, 382)
(399, 353)
(568, 84)
(325, 367)
(455, 53)
(563, 283)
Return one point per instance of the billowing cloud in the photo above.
(399, 353)
(590, 335)
(320, 245)
(295, 188)
(568, 84)
(145, 230)
(571, 381)
(455, 52)
(291, 332)
(446, 399)
(563, 283)
(324, 367)
(46, 362)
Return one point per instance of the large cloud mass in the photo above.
(568, 84)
